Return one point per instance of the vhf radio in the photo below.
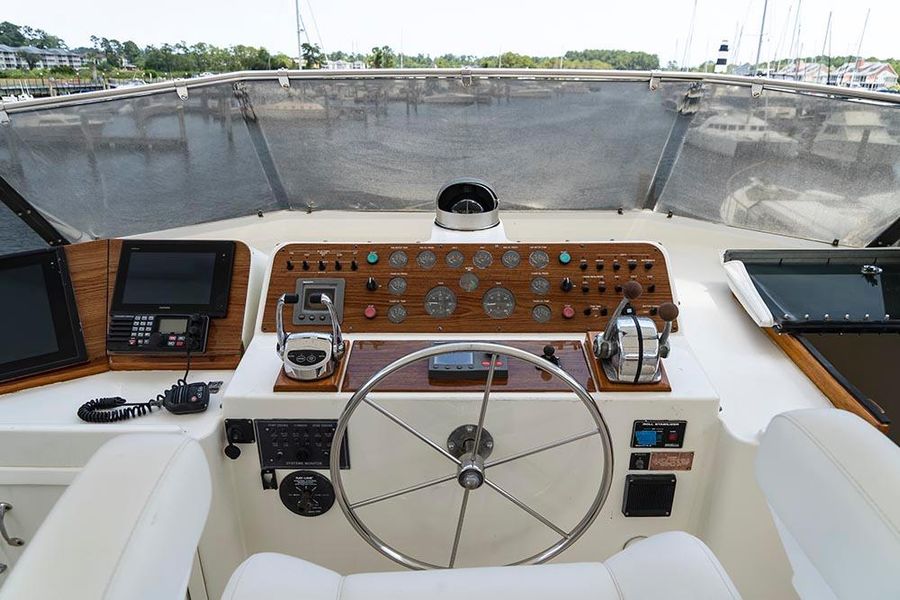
(157, 334)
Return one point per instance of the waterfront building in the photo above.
(11, 57)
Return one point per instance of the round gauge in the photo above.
(510, 259)
(440, 301)
(541, 313)
(469, 282)
(498, 303)
(397, 285)
(482, 259)
(455, 259)
(540, 285)
(539, 259)
(426, 259)
(398, 258)
(396, 313)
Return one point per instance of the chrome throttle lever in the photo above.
(309, 355)
(630, 348)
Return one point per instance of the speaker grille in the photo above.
(649, 495)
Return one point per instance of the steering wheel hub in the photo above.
(471, 472)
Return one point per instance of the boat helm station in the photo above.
(606, 345)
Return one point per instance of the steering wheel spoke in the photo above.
(459, 528)
(563, 534)
(541, 448)
(411, 430)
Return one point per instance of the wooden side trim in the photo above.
(819, 375)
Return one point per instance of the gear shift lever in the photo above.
(309, 355)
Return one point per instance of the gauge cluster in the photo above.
(476, 287)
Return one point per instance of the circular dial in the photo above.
(455, 259)
(510, 259)
(306, 493)
(539, 259)
(467, 206)
(541, 313)
(498, 303)
(426, 259)
(469, 282)
(440, 301)
(396, 313)
(540, 285)
(482, 259)
(397, 285)
(398, 258)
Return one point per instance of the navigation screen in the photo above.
(25, 316)
(167, 278)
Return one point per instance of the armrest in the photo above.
(127, 527)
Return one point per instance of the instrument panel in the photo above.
(455, 288)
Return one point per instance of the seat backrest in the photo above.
(126, 529)
(832, 482)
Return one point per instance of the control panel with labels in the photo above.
(658, 434)
(157, 333)
(298, 443)
(447, 288)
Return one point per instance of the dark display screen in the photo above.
(25, 316)
(38, 315)
(454, 358)
(169, 278)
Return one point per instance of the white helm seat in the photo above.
(833, 485)
(674, 565)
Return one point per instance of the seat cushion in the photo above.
(674, 565)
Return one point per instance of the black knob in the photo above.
(321, 265)
(587, 311)
(290, 265)
(371, 284)
(601, 288)
(648, 264)
(337, 265)
(566, 284)
(306, 265)
(585, 288)
(632, 264)
(354, 265)
(616, 266)
(599, 265)
(232, 451)
(583, 265)
(550, 354)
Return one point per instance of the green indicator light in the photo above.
(564, 257)
(372, 258)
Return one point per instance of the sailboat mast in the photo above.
(762, 28)
(824, 42)
(299, 36)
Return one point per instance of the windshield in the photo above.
(796, 164)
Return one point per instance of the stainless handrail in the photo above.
(781, 85)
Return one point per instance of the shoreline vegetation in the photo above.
(112, 59)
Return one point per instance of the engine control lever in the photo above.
(308, 355)
(630, 349)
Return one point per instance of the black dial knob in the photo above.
(321, 265)
(306, 265)
(337, 265)
(566, 284)
(354, 265)
(371, 284)
(290, 265)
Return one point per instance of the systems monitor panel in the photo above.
(38, 315)
(176, 277)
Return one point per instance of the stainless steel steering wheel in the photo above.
(471, 468)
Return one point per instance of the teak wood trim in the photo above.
(224, 345)
(87, 270)
(608, 386)
(839, 396)
(469, 316)
(369, 356)
(283, 383)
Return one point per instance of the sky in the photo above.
(483, 27)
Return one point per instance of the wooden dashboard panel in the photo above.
(87, 270)
(596, 271)
(369, 357)
(224, 345)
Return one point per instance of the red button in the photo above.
(568, 311)
(370, 311)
